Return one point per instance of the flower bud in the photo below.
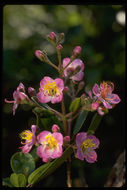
(31, 91)
(41, 55)
(66, 139)
(55, 128)
(95, 105)
(66, 89)
(52, 36)
(59, 47)
(77, 51)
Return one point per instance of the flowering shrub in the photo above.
(55, 144)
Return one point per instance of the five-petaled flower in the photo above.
(30, 139)
(50, 90)
(85, 147)
(51, 145)
(19, 97)
(76, 66)
(104, 94)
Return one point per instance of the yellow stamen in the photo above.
(51, 142)
(51, 88)
(87, 144)
(26, 135)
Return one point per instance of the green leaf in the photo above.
(46, 169)
(74, 105)
(6, 182)
(18, 180)
(94, 123)
(42, 105)
(79, 122)
(22, 163)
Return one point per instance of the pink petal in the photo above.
(59, 82)
(14, 108)
(105, 103)
(96, 90)
(57, 152)
(113, 99)
(80, 137)
(45, 80)
(43, 98)
(42, 135)
(26, 148)
(57, 98)
(33, 128)
(66, 61)
(100, 111)
(77, 62)
(79, 76)
(59, 137)
(90, 156)
(79, 154)
(40, 151)
(94, 141)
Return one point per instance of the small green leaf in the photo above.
(22, 163)
(94, 123)
(46, 169)
(6, 182)
(18, 180)
(42, 105)
(74, 105)
(79, 122)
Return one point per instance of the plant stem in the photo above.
(69, 172)
(50, 63)
(62, 103)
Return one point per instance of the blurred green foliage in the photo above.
(100, 31)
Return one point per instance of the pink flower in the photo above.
(85, 147)
(77, 50)
(104, 94)
(30, 139)
(51, 145)
(50, 90)
(19, 97)
(72, 67)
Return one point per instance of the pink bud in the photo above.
(31, 91)
(77, 50)
(95, 105)
(52, 35)
(66, 89)
(55, 128)
(38, 53)
(66, 139)
(59, 47)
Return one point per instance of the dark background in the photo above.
(100, 31)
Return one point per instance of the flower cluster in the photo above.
(50, 144)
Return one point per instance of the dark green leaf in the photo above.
(48, 168)
(22, 163)
(74, 105)
(79, 122)
(6, 182)
(94, 123)
(18, 180)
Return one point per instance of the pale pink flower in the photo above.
(72, 67)
(19, 97)
(104, 94)
(85, 147)
(51, 145)
(30, 139)
(50, 90)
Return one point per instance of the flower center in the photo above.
(26, 135)
(51, 142)
(51, 88)
(87, 144)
